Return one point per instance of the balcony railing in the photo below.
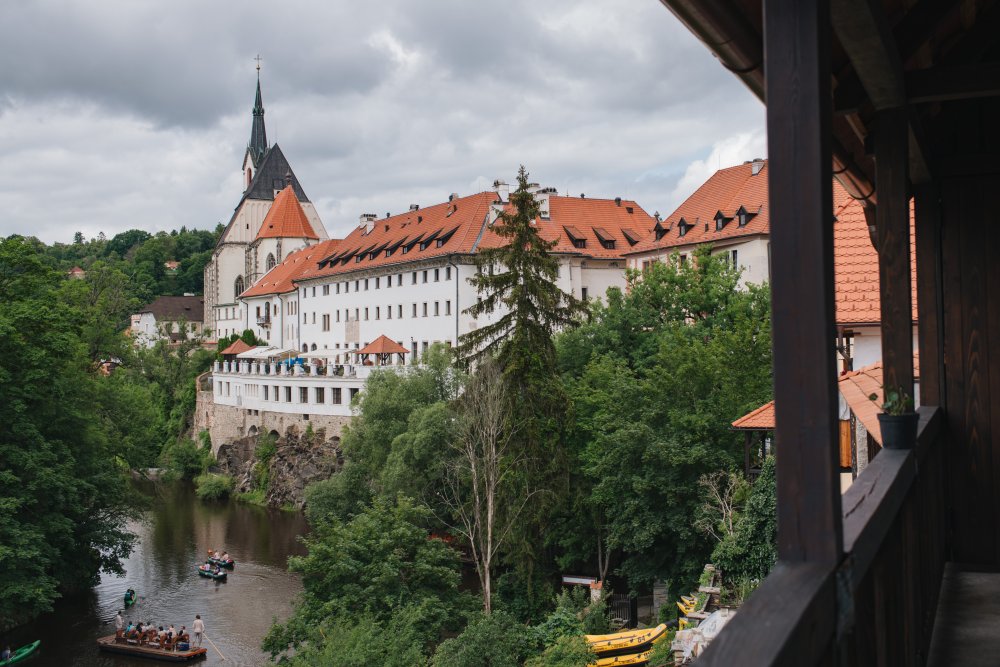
(264, 321)
(881, 599)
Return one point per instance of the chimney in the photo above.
(367, 221)
(542, 197)
(453, 196)
(502, 189)
(618, 201)
(414, 207)
(533, 188)
(756, 166)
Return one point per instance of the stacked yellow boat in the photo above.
(631, 647)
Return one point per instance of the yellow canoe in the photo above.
(618, 641)
(633, 659)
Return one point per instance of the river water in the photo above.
(173, 535)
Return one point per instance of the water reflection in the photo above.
(174, 535)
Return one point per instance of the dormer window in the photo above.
(683, 227)
(575, 236)
(659, 231)
(743, 216)
(606, 239)
(720, 221)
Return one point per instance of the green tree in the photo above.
(489, 640)
(568, 651)
(61, 495)
(366, 641)
(749, 553)
(376, 563)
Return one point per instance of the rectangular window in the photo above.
(424, 347)
(414, 310)
(303, 394)
(399, 280)
(335, 395)
(326, 322)
(377, 313)
(437, 275)
(357, 314)
(357, 283)
(326, 290)
(447, 273)
(274, 394)
(303, 292)
(337, 313)
(314, 317)
(354, 392)
(320, 395)
(366, 284)
(447, 307)
(288, 394)
(413, 351)
(266, 387)
(425, 309)
(414, 278)
(338, 288)
(366, 314)
(735, 265)
(314, 291)
(376, 283)
(437, 308)
(399, 311)
(388, 312)
(424, 277)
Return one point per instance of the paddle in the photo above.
(213, 645)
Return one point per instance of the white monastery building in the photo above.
(168, 317)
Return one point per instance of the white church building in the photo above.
(248, 248)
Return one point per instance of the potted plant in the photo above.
(897, 421)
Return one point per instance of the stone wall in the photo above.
(227, 424)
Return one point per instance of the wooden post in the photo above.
(927, 223)
(746, 453)
(893, 221)
(797, 74)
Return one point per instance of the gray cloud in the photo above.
(135, 114)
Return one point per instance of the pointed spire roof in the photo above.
(286, 219)
(258, 136)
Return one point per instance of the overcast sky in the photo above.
(136, 113)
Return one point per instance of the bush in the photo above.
(214, 487)
(568, 651)
(497, 640)
(185, 459)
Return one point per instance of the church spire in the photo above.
(258, 136)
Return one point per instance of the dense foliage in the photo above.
(62, 491)
(749, 553)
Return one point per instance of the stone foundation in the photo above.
(227, 424)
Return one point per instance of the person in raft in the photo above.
(198, 628)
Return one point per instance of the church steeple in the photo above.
(258, 136)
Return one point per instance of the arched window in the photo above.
(314, 347)
(305, 347)
(267, 310)
(249, 177)
(270, 261)
(238, 287)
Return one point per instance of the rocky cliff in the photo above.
(282, 472)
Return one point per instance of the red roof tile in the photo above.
(286, 219)
(382, 345)
(298, 265)
(725, 191)
(238, 346)
(856, 263)
(857, 386)
(761, 419)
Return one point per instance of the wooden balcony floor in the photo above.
(967, 625)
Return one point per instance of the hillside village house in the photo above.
(395, 286)
(248, 248)
(168, 317)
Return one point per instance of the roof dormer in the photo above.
(683, 226)
(721, 219)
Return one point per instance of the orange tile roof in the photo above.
(299, 264)
(383, 345)
(238, 346)
(761, 419)
(286, 219)
(459, 227)
(857, 386)
(856, 263)
(582, 218)
(725, 191)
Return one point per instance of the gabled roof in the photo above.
(382, 345)
(286, 219)
(300, 264)
(856, 263)
(467, 214)
(238, 346)
(577, 217)
(174, 308)
(761, 419)
(271, 175)
(726, 191)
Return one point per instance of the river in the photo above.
(174, 534)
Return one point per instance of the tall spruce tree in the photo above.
(517, 279)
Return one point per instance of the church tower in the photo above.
(236, 262)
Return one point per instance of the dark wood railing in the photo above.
(878, 605)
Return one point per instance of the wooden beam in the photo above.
(930, 285)
(864, 33)
(961, 82)
(893, 222)
(800, 185)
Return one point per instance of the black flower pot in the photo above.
(899, 431)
